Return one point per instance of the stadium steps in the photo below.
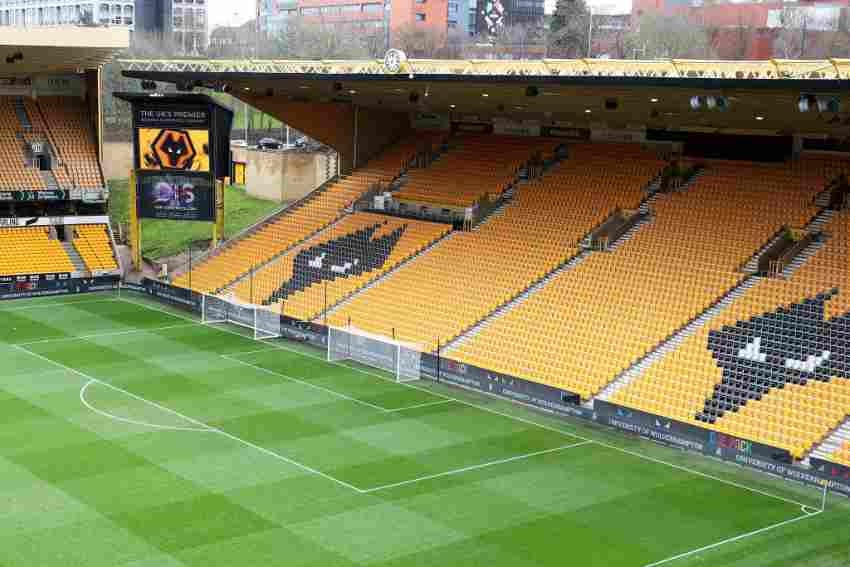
(286, 209)
(280, 255)
(498, 211)
(673, 341)
(830, 443)
(21, 113)
(816, 223)
(50, 180)
(343, 301)
(74, 256)
(652, 193)
(807, 253)
(822, 199)
(517, 300)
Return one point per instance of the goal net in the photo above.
(263, 323)
(401, 359)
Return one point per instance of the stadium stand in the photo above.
(297, 223)
(32, 250)
(463, 279)
(67, 121)
(95, 247)
(373, 244)
(468, 173)
(721, 368)
(16, 172)
(591, 323)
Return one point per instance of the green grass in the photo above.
(161, 238)
(134, 436)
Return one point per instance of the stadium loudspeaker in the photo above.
(806, 102)
(611, 104)
(337, 86)
(148, 86)
(532, 91)
(833, 105)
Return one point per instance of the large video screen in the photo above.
(174, 149)
(176, 196)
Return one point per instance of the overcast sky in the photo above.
(237, 12)
(230, 12)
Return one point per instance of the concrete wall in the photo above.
(333, 124)
(285, 176)
(117, 159)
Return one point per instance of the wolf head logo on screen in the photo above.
(350, 255)
(792, 345)
(173, 149)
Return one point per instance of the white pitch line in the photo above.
(57, 304)
(110, 334)
(417, 406)
(247, 352)
(732, 540)
(222, 432)
(45, 305)
(106, 414)
(233, 357)
(303, 383)
(476, 467)
(496, 412)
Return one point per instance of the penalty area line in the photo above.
(109, 334)
(330, 391)
(48, 304)
(422, 405)
(197, 422)
(304, 383)
(497, 412)
(129, 421)
(476, 467)
(739, 537)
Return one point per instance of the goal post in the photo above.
(403, 360)
(263, 323)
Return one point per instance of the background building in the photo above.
(406, 22)
(21, 13)
(182, 21)
(761, 30)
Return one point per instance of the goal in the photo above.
(396, 357)
(263, 323)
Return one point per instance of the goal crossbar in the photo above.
(402, 359)
(263, 323)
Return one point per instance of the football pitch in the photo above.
(132, 435)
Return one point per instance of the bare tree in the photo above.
(657, 36)
(520, 41)
(610, 32)
(569, 29)
(417, 41)
(736, 43)
(802, 32)
(792, 33)
(316, 39)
